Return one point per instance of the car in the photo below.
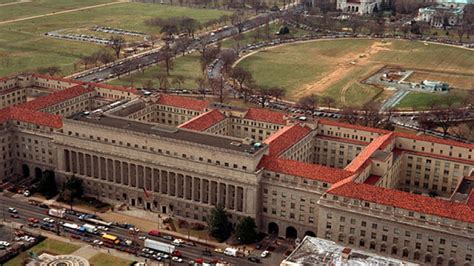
(142, 237)
(15, 215)
(97, 242)
(254, 259)
(154, 233)
(49, 220)
(33, 225)
(177, 259)
(177, 242)
(168, 238)
(207, 252)
(219, 250)
(134, 229)
(5, 243)
(33, 220)
(12, 210)
(265, 254)
(44, 206)
(26, 193)
(103, 228)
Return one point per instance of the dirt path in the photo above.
(343, 93)
(61, 12)
(344, 66)
(15, 3)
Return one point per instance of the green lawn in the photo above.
(260, 34)
(48, 245)
(105, 259)
(187, 66)
(293, 66)
(7, 1)
(297, 65)
(40, 7)
(422, 100)
(23, 46)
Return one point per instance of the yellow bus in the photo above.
(111, 239)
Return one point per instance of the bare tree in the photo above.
(208, 55)
(444, 118)
(328, 102)
(228, 58)
(51, 70)
(264, 95)
(178, 81)
(189, 25)
(148, 84)
(167, 54)
(164, 81)
(117, 43)
(308, 102)
(244, 79)
(202, 86)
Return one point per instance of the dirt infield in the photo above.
(344, 66)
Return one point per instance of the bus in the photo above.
(73, 228)
(98, 222)
(111, 239)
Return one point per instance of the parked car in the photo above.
(265, 254)
(254, 259)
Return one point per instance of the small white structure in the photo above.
(434, 86)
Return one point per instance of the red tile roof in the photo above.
(367, 152)
(305, 170)
(352, 126)
(372, 179)
(286, 137)
(434, 139)
(437, 156)
(204, 121)
(30, 116)
(55, 98)
(182, 102)
(405, 200)
(264, 115)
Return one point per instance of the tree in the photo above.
(277, 92)
(202, 86)
(104, 56)
(72, 189)
(328, 101)
(264, 95)
(246, 231)
(218, 223)
(178, 81)
(208, 55)
(189, 25)
(228, 58)
(164, 81)
(243, 78)
(308, 102)
(167, 55)
(117, 43)
(444, 118)
(51, 70)
(47, 185)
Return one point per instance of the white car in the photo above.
(265, 254)
(12, 210)
(177, 259)
(4, 243)
(49, 220)
(177, 242)
(103, 228)
(97, 242)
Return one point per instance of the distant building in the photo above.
(318, 251)
(361, 7)
(441, 15)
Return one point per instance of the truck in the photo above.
(59, 213)
(159, 246)
(231, 252)
(92, 229)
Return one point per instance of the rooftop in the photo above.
(404, 200)
(305, 170)
(264, 115)
(366, 153)
(352, 126)
(286, 137)
(30, 116)
(55, 98)
(182, 102)
(317, 251)
(169, 132)
(204, 121)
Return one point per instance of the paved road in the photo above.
(26, 211)
(151, 58)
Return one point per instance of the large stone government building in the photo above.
(406, 196)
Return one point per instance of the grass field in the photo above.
(421, 100)
(23, 46)
(105, 259)
(187, 66)
(336, 67)
(40, 7)
(48, 245)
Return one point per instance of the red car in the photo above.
(33, 220)
(154, 233)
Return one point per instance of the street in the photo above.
(26, 211)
